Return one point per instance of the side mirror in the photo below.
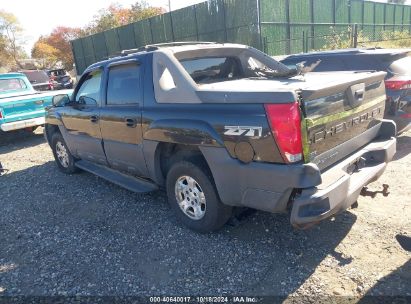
(60, 100)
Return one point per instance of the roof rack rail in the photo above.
(153, 47)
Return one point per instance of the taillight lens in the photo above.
(398, 84)
(1, 115)
(285, 122)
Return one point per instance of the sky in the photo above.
(40, 17)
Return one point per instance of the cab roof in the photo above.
(11, 75)
(174, 47)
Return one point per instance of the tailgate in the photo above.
(341, 115)
(23, 107)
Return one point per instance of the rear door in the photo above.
(81, 118)
(120, 118)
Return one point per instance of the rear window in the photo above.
(37, 76)
(212, 69)
(11, 84)
(57, 72)
(401, 66)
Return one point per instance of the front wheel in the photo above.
(64, 159)
(194, 199)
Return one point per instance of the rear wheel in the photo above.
(194, 199)
(65, 161)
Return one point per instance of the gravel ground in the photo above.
(80, 235)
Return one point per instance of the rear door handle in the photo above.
(94, 118)
(131, 122)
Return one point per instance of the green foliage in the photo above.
(116, 15)
(384, 39)
(389, 39)
(338, 40)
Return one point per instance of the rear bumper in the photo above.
(271, 187)
(341, 185)
(16, 125)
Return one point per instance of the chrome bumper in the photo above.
(16, 125)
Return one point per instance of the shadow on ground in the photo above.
(403, 147)
(80, 235)
(12, 141)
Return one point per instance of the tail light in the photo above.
(1, 115)
(397, 84)
(285, 123)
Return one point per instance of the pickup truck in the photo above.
(220, 126)
(21, 107)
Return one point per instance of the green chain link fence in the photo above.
(275, 26)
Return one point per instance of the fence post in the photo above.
(225, 21)
(260, 32)
(151, 30)
(402, 21)
(288, 30)
(195, 20)
(303, 41)
(355, 35)
(312, 24)
(374, 28)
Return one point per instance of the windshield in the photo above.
(12, 84)
(230, 64)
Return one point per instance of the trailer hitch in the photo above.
(373, 194)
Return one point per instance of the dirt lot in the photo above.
(80, 235)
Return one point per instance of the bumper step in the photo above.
(131, 183)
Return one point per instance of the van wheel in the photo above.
(194, 199)
(65, 161)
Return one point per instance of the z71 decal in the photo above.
(243, 131)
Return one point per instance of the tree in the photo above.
(56, 47)
(46, 55)
(11, 41)
(116, 15)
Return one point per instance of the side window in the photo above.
(89, 91)
(124, 85)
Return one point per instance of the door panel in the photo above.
(82, 119)
(120, 119)
(121, 131)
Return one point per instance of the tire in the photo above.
(64, 160)
(190, 186)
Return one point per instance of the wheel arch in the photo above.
(161, 155)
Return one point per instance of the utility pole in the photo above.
(169, 6)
